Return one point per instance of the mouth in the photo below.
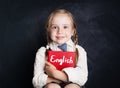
(60, 37)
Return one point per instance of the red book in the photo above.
(61, 59)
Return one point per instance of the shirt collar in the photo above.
(54, 46)
(70, 43)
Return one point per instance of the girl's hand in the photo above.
(49, 68)
(54, 73)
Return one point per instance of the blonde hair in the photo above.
(49, 21)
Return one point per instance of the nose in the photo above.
(60, 30)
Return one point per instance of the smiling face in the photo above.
(61, 29)
(61, 26)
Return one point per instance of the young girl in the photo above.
(61, 29)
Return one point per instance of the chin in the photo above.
(60, 42)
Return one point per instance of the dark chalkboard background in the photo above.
(22, 33)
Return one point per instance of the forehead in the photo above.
(61, 18)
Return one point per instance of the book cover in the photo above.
(61, 59)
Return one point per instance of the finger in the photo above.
(48, 63)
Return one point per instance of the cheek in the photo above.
(52, 34)
(69, 34)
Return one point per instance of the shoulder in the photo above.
(80, 48)
(41, 50)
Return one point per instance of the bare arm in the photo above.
(61, 75)
(50, 79)
(54, 73)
